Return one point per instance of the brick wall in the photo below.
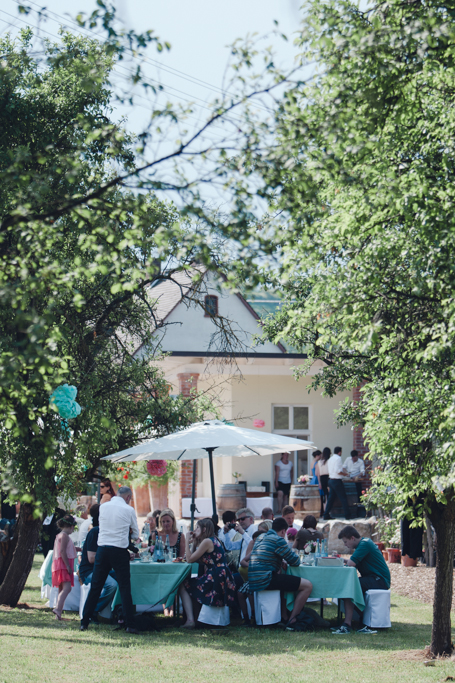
(187, 382)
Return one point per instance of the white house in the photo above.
(253, 382)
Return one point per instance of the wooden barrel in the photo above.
(351, 494)
(305, 500)
(231, 497)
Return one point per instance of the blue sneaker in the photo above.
(366, 629)
(343, 630)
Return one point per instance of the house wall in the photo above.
(252, 398)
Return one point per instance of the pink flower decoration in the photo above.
(291, 532)
(258, 424)
(156, 468)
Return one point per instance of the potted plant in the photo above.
(236, 476)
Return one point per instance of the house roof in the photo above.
(177, 287)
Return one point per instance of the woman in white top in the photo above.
(283, 480)
(322, 473)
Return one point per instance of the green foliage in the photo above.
(78, 254)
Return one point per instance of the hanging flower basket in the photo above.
(157, 468)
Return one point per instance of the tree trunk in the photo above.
(18, 562)
(443, 519)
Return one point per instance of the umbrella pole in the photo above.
(212, 484)
(193, 495)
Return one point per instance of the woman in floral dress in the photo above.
(216, 587)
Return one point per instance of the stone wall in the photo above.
(331, 529)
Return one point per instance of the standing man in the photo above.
(336, 486)
(374, 572)
(283, 480)
(355, 467)
(117, 521)
(88, 560)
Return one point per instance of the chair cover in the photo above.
(377, 609)
(267, 605)
(72, 601)
(216, 616)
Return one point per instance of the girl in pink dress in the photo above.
(63, 563)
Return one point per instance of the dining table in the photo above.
(329, 582)
(154, 583)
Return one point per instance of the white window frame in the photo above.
(293, 432)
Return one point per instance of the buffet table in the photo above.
(329, 582)
(155, 583)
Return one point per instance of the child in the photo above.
(63, 563)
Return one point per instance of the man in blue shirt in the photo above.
(374, 572)
(266, 561)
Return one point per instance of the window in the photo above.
(290, 418)
(211, 306)
(293, 421)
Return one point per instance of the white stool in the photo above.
(377, 609)
(215, 616)
(267, 606)
(85, 590)
(106, 612)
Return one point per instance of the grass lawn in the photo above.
(34, 647)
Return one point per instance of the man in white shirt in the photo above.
(355, 467)
(117, 522)
(246, 528)
(336, 486)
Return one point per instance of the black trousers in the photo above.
(109, 557)
(336, 488)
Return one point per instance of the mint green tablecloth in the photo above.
(153, 583)
(45, 573)
(329, 582)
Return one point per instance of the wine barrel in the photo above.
(231, 497)
(351, 494)
(305, 500)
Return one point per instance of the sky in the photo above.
(193, 70)
(200, 32)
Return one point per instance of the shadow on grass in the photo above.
(248, 641)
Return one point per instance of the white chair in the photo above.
(215, 616)
(106, 612)
(267, 606)
(377, 609)
(85, 590)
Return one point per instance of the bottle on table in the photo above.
(154, 547)
(160, 551)
(146, 533)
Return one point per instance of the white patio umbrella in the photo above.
(209, 439)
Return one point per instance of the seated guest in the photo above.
(266, 562)
(168, 527)
(267, 513)
(152, 520)
(107, 491)
(228, 529)
(245, 527)
(88, 560)
(374, 572)
(85, 527)
(216, 586)
(308, 532)
(288, 513)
